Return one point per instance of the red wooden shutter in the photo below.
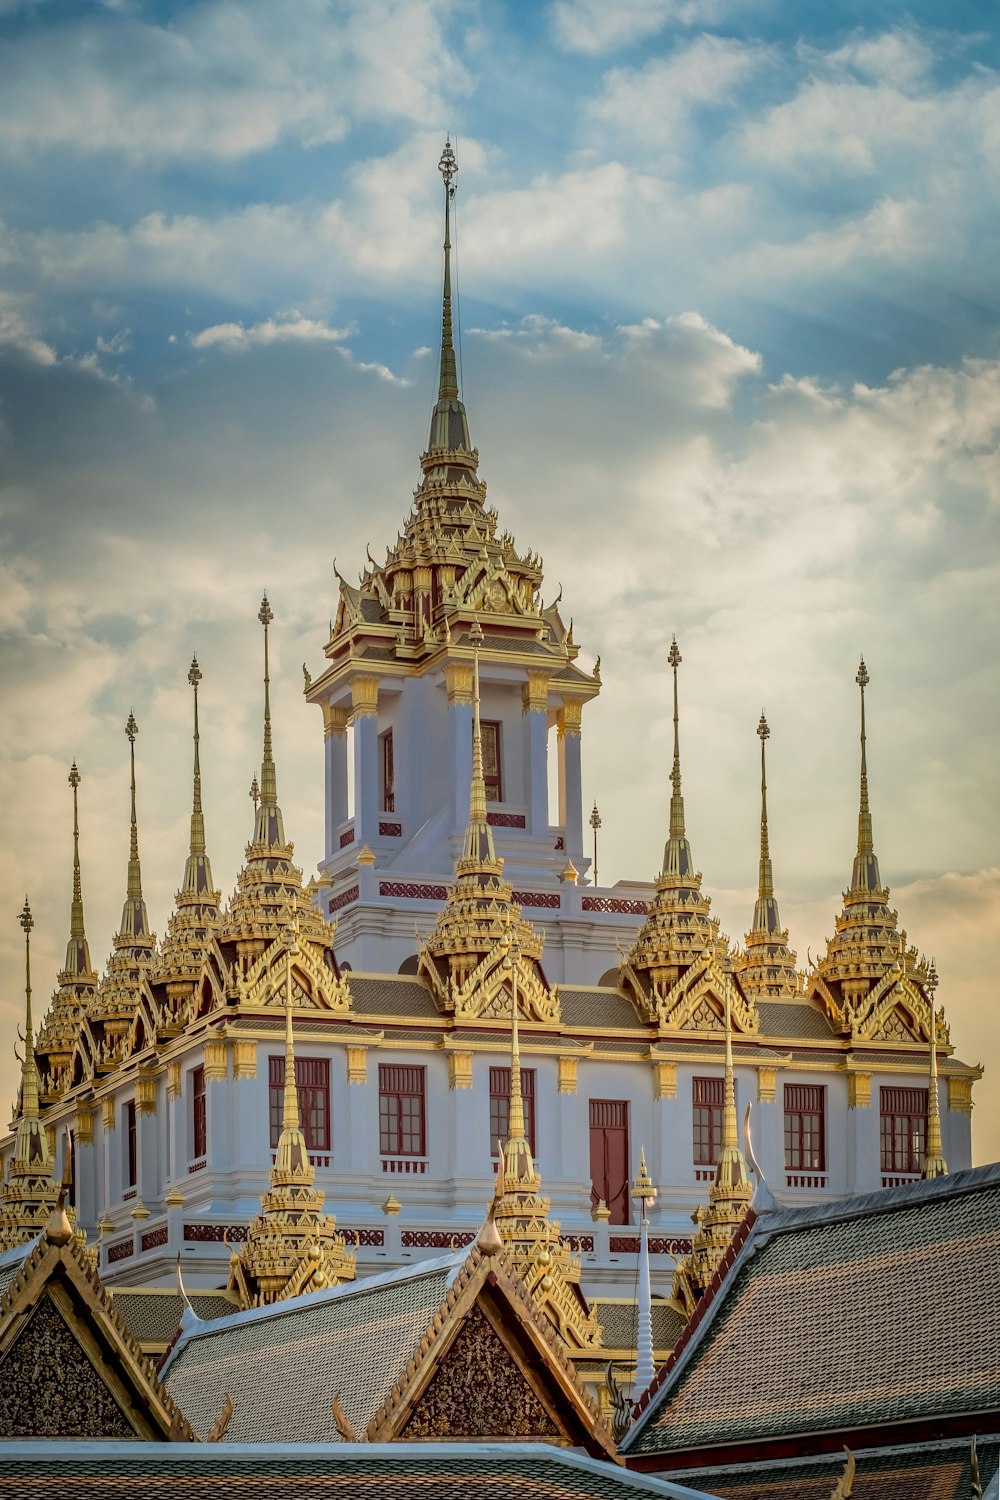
(609, 1156)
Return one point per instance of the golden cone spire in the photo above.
(135, 923)
(519, 1164)
(269, 827)
(865, 876)
(197, 871)
(448, 380)
(934, 1164)
(767, 967)
(31, 1143)
(677, 854)
(77, 951)
(479, 847)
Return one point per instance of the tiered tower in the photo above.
(77, 983)
(767, 966)
(292, 1246)
(29, 1194)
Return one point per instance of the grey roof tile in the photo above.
(153, 1317)
(381, 995)
(793, 1018)
(583, 1009)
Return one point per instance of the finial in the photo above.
(30, 1141)
(643, 1191)
(448, 381)
(865, 876)
(448, 166)
(135, 923)
(677, 855)
(934, 1164)
(479, 846)
(595, 823)
(268, 824)
(290, 1115)
(730, 1134)
(197, 872)
(765, 917)
(255, 792)
(77, 952)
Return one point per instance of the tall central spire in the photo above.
(197, 871)
(269, 827)
(449, 424)
(448, 382)
(865, 876)
(765, 915)
(77, 951)
(677, 854)
(135, 923)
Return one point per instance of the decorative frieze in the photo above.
(567, 1074)
(244, 1058)
(154, 1238)
(216, 1059)
(767, 1085)
(459, 1070)
(616, 905)
(664, 1080)
(960, 1094)
(859, 1090)
(458, 681)
(364, 695)
(547, 900)
(409, 891)
(357, 1063)
(343, 898)
(174, 1079)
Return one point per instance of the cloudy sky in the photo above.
(730, 351)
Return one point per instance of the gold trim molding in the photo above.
(174, 1079)
(335, 720)
(84, 1125)
(569, 718)
(108, 1113)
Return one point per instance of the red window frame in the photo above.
(805, 1127)
(902, 1129)
(312, 1083)
(199, 1123)
(401, 1123)
(131, 1145)
(500, 1106)
(708, 1096)
(388, 776)
(609, 1156)
(492, 759)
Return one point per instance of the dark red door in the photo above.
(609, 1156)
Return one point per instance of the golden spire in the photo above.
(31, 1144)
(479, 848)
(765, 915)
(135, 923)
(767, 967)
(520, 1167)
(448, 381)
(677, 854)
(865, 876)
(77, 952)
(644, 1193)
(449, 424)
(197, 871)
(934, 1164)
(269, 827)
(292, 1155)
(730, 1127)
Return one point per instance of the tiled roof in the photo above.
(865, 1311)
(582, 1009)
(922, 1471)
(11, 1262)
(790, 1018)
(153, 1317)
(377, 995)
(359, 1335)
(618, 1324)
(353, 1471)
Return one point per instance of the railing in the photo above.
(128, 1194)
(900, 1179)
(805, 1179)
(321, 1160)
(197, 1166)
(347, 836)
(704, 1174)
(405, 1166)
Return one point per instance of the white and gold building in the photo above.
(450, 895)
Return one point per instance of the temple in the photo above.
(320, 1081)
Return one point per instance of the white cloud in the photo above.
(272, 331)
(225, 79)
(595, 26)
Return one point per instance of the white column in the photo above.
(864, 1169)
(460, 715)
(148, 1157)
(534, 703)
(571, 782)
(335, 756)
(364, 696)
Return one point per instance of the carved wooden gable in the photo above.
(478, 1392)
(50, 1387)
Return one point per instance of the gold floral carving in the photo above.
(458, 681)
(216, 1059)
(108, 1113)
(174, 1079)
(570, 718)
(478, 1391)
(535, 693)
(335, 720)
(567, 1075)
(459, 1070)
(364, 695)
(77, 1403)
(859, 1090)
(960, 1095)
(84, 1125)
(664, 1080)
(244, 1059)
(145, 1093)
(767, 1085)
(357, 1063)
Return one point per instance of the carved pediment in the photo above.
(901, 1013)
(486, 993)
(314, 985)
(697, 1002)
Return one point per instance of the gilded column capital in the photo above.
(567, 1074)
(174, 1079)
(458, 681)
(459, 1070)
(145, 1092)
(216, 1059)
(959, 1094)
(767, 1085)
(335, 720)
(357, 1063)
(859, 1090)
(664, 1080)
(108, 1113)
(364, 695)
(244, 1058)
(535, 693)
(570, 717)
(84, 1125)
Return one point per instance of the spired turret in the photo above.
(28, 1196)
(116, 1001)
(194, 922)
(728, 1200)
(870, 981)
(767, 966)
(934, 1164)
(76, 985)
(292, 1246)
(677, 970)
